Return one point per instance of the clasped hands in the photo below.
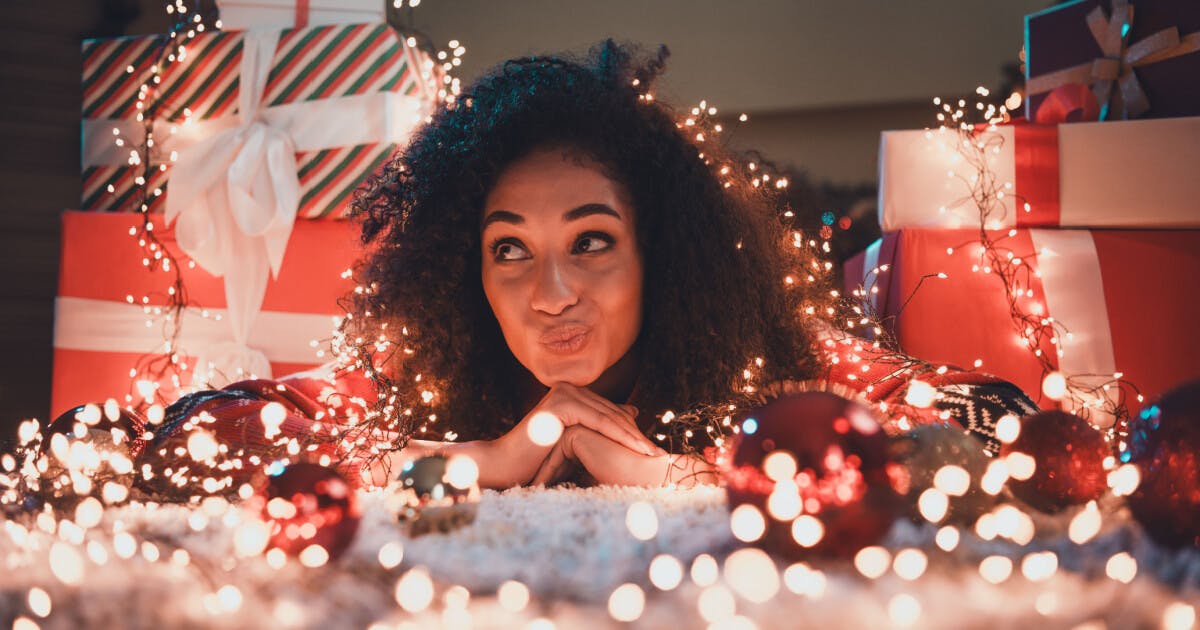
(599, 436)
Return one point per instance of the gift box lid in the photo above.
(249, 14)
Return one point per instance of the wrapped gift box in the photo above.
(99, 336)
(343, 96)
(1127, 297)
(245, 14)
(1137, 173)
(1140, 59)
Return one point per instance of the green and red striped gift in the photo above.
(319, 81)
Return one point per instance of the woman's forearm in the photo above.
(611, 463)
(502, 463)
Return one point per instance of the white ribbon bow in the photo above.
(234, 196)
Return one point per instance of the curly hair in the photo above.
(715, 250)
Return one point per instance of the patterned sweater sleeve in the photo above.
(910, 393)
(301, 415)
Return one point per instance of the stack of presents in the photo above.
(1107, 158)
(261, 131)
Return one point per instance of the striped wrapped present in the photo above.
(346, 94)
(251, 130)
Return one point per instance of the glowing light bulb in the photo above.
(545, 428)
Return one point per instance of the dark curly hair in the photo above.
(714, 248)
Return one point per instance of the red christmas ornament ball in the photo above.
(1067, 454)
(818, 469)
(308, 504)
(1164, 443)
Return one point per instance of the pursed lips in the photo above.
(565, 338)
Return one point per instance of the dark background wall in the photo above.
(818, 79)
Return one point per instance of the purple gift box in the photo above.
(1141, 59)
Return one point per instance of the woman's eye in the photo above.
(508, 250)
(591, 243)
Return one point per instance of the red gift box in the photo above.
(1127, 297)
(1140, 59)
(99, 336)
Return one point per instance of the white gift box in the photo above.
(1139, 173)
(255, 14)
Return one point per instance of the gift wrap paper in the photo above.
(99, 336)
(1139, 173)
(1127, 296)
(344, 94)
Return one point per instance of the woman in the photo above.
(559, 250)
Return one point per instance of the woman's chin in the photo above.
(577, 375)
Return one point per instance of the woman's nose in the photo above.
(554, 290)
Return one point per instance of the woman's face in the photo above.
(561, 267)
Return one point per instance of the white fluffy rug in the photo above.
(571, 548)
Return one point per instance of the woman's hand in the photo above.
(521, 456)
(611, 463)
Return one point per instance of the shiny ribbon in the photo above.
(1115, 67)
(1069, 269)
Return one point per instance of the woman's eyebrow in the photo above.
(587, 210)
(502, 216)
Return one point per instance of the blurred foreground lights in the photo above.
(250, 538)
(39, 602)
(947, 538)
(784, 503)
(1008, 428)
(933, 505)
(314, 556)
(545, 428)
(872, 561)
(1020, 465)
(1121, 567)
(807, 531)
(920, 394)
(952, 480)
(391, 554)
(666, 572)
(461, 472)
(910, 564)
(1038, 567)
(66, 563)
(1124, 480)
(201, 445)
(1179, 616)
(803, 580)
(641, 520)
(513, 596)
(780, 466)
(751, 573)
(704, 570)
(414, 590)
(904, 609)
(747, 523)
(994, 477)
(995, 569)
(716, 604)
(1085, 525)
(626, 602)
(1054, 386)
(272, 415)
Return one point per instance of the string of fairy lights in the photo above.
(84, 476)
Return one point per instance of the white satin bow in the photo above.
(233, 197)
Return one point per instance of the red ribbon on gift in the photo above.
(301, 13)
(1035, 161)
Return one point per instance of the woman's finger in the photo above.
(626, 414)
(549, 468)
